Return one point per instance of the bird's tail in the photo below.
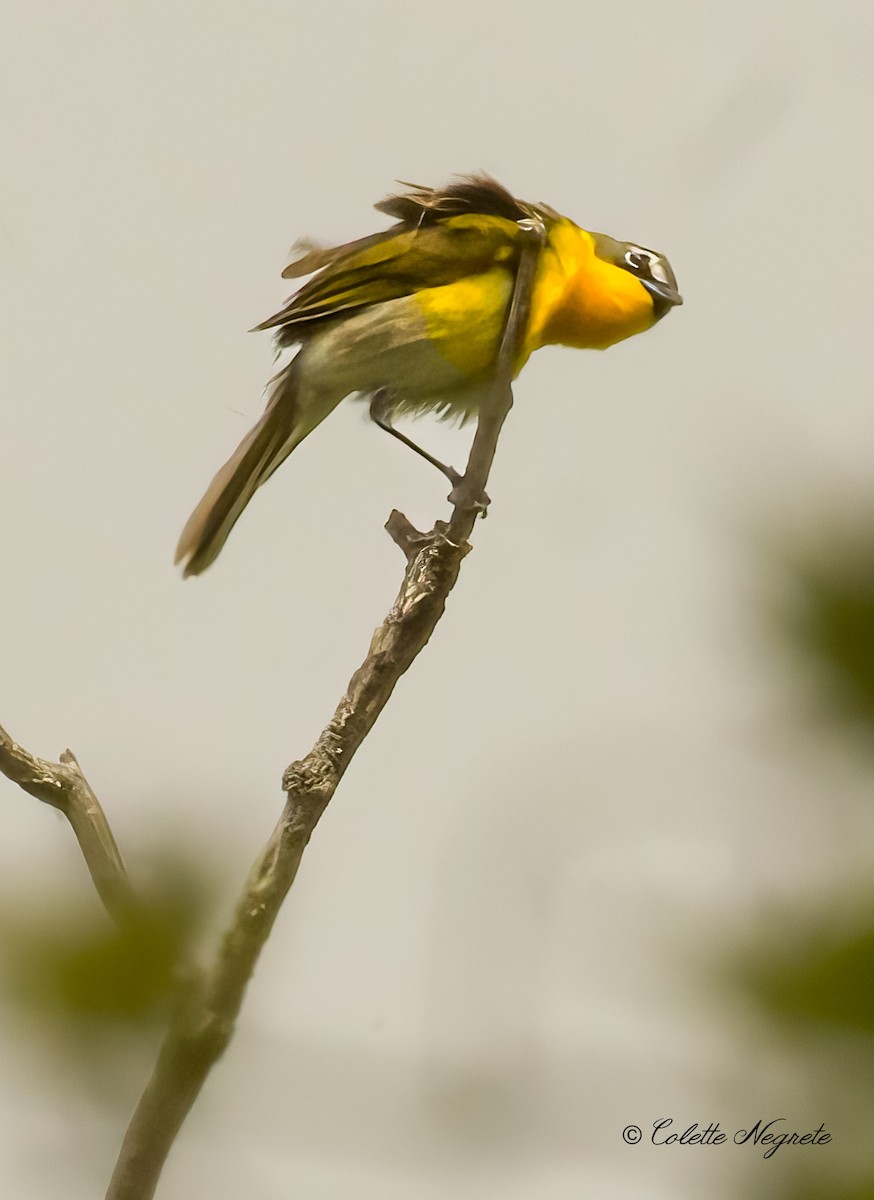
(283, 426)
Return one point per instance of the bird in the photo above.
(412, 318)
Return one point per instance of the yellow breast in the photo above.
(578, 300)
(581, 300)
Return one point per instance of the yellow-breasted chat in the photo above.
(416, 314)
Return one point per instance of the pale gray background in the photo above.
(482, 976)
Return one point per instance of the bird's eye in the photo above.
(638, 260)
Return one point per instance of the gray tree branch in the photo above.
(64, 786)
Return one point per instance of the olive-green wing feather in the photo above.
(399, 262)
(314, 257)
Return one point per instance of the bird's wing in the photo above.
(399, 262)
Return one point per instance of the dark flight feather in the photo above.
(467, 194)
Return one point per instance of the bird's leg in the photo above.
(378, 414)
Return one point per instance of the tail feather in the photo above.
(257, 456)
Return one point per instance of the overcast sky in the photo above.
(474, 986)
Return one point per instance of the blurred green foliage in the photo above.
(74, 964)
(826, 975)
(811, 977)
(827, 618)
(835, 1191)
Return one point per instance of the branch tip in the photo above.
(405, 535)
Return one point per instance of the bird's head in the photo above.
(652, 269)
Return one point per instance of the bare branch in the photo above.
(405, 535)
(64, 786)
(204, 1024)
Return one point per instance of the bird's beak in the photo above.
(664, 297)
(664, 291)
